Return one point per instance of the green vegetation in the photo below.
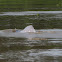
(25, 5)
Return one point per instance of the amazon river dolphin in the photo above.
(29, 28)
(30, 32)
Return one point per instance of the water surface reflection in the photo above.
(21, 49)
(34, 48)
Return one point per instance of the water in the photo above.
(30, 13)
(31, 47)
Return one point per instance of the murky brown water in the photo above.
(37, 48)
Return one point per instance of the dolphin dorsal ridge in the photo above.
(29, 28)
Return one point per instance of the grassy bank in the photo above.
(27, 5)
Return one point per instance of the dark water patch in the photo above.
(38, 20)
(16, 44)
(33, 55)
(22, 50)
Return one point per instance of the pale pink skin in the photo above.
(29, 28)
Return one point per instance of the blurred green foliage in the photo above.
(28, 5)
